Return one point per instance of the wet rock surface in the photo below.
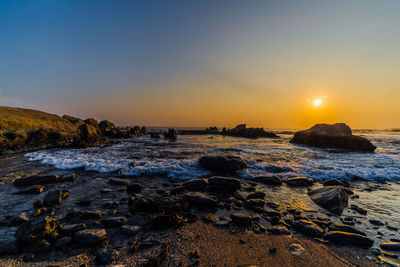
(90, 214)
(222, 164)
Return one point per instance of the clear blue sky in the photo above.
(204, 62)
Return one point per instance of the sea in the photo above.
(264, 156)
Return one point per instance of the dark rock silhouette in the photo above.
(242, 131)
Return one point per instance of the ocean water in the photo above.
(264, 156)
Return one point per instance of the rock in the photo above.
(309, 228)
(91, 121)
(335, 182)
(344, 238)
(134, 188)
(225, 184)
(345, 228)
(114, 222)
(129, 230)
(299, 181)
(63, 242)
(90, 215)
(38, 229)
(42, 246)
(53, 198)
(17, 219)
(296, 249)
(278, 230)
(90, 236)
(87, 136)
(256, 195)
(387, 262)
(35, 189)
(376, 222)
(73, 120)
(241, 131)
(140, 204)
(241, 219)
(332, 198)
(390, 245)
(171, 134)
(200, 199)
(359, 209)
(222, 164)
(8, 241)
(337, 135)
(36, 180)
(68, 177)
(165, 220)
(268, 180)
(71, 228)
(106, 256)
(195, 184)
(118, 181)
(252, 203)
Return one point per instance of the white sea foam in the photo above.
(145, 156)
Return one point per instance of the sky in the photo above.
(204, 63)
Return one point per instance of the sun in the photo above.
(317, 102)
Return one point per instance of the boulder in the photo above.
(390, 245)
(75, 121)
(195, 184)
(36, 180)
(332, 198)
(252, 203)
(345, 228)
(200, 199)
(90, 236)
(118, 181)
(37, 229)
(241, 219)
(87, 136)
(171, 134)
(70, 229)
(256, 195)
(345, 238)
(337, 135)
(53, 198)
(299, 181)
(309, 228)
(242, 131)
(222, 164)
(140, 204)
(35, 189)
(335, 182)
(225, 184)
(114, 221)
(91, 121)
(278, 230)
(268, 180)
(108, 129)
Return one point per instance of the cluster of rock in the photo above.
(71, 131)
(242, 131)
(337, 135)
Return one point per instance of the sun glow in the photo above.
(317, 102)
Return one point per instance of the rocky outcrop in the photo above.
(337, 135)
(222, 164)
(87, 136)
(242, 131)
(171, 134)
(332, 198)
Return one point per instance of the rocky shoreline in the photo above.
(55, 215)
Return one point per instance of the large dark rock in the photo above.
(201, 200)
(299, 181)
(108, 129)
(90, 236)
(390, 245)
(141, 204)
(225, 184)
(345, 238)
(268, 180)
(87, 136)
(222, 164)
(241, 218)
(36, 180)
(345, 228)
(337, 135)
(53, 198)
(309, 228)
(37, 229)
(332, 198)
(91, 121)
(242, 131)
(195, 184)
(335, 182)
(171, 134)
(35, 189)
(114, 221)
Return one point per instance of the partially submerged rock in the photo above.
(345, 238)
(36, 180)
(222, 164)
(299, 181)
(224, 184)
(309, 228)
(200, 199)
(242, 131)
(171, 134)
(90, 236)
(332, 198)
(268, 180)
(337, 135)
